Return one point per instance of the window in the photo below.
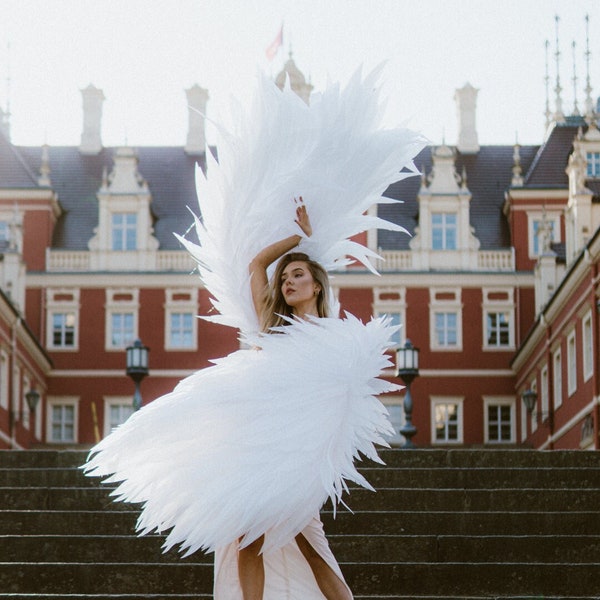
(63, 330)
(390, 301)
(4, 234)
(544, 398)
(497, 329)
(445, 319)
(62, 420)
(3, 379)
(397, 338)
(571, 364)
(534, 414)
(557, 379)
(116, 411)
(593, 164)
(122, 306)
(124, 231)
(396, 412)
(499, 420)
(181, 323)
(446, 329)
(535, 220)
(443, 231)
(446, 421)
(122, 332)
(587, 346)
(182, 331)
(62, 318)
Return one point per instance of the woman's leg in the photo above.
(252, 570)
(329, 583)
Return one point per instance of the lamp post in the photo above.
(529, 398)
(137, 368)
(32, 397)
(407, 360)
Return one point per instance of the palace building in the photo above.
(497, 287)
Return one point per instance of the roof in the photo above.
(15, 172)
(489, 174)
(76, 178)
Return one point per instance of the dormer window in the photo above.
(124, 231)
(443, 231)
(593, 164)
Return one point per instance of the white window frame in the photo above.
(115, 305)
(557, 378)
(4, 379)
(587, 346)
(544, 391)
(535, 217)
(492, 303)
(123, 230)
(394, 405)
(592, 170)
(571, 363)
(444, 227)
(439, 400)
(499, 401)
(534, 412)
(53, 401)
(56, 305)
(438, 306)
(109, 402)
(184, 301)
(397, 306)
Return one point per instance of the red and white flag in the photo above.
(274, 46)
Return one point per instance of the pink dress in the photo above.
(287, 573)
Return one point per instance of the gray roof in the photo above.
(76, 178)
(489, 174)
(169, 171)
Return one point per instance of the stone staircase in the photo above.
(444, 525)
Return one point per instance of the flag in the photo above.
(271, 51)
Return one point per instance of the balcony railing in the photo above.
(487, 260)
(85, 261)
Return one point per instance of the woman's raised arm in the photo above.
(260, 263)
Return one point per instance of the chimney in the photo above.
(197, 98)
(466, 103)
(91, 139)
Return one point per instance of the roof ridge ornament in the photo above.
(559, 116)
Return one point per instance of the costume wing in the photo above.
(257, 442)
(332, 153)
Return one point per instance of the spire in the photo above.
(44, 178)
(589, 103)
(517, 172)
(559, 116)
(575, 112)
(548, 113)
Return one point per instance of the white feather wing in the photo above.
(332, 153)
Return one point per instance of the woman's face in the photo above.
(299, 288)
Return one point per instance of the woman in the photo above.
(240, 456)
(299, 289)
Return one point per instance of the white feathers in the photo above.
(257, 442)
(331, 153)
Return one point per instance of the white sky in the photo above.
(144, 53)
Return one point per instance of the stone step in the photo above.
(210, 597)
(424, 458)
(122, 522)
(117, 596)
(348, 548)
(384, 477)
(443, 579)
(507, 499)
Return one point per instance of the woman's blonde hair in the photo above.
(275, 306)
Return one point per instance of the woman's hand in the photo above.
(302, 219)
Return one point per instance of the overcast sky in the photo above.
(144, 53)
